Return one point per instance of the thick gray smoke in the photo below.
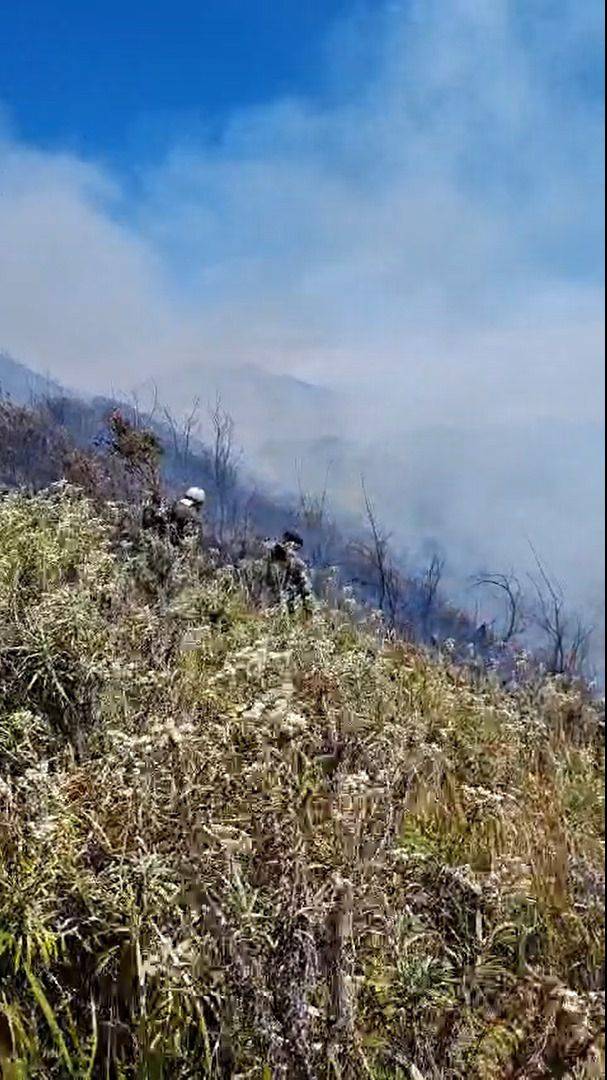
(419, 245)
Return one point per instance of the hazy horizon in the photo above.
(399, 204)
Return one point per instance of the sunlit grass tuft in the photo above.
(238, 842)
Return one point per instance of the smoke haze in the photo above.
(419, 244)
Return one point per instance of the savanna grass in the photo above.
(237, 842)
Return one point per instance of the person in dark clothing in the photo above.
(177, 520)
(184, 514)
(289, 574)
(292, 538)
(155, 515)
(482, 637)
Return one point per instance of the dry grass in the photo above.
(235, 842)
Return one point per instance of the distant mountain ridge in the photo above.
(22, 384)
(477, 494)
(263, 404)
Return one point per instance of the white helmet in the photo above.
(196, 495)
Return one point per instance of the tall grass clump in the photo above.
(240, 843)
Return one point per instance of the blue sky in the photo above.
(401, 200)
(97, 77)
(121, 81)
(349, 178)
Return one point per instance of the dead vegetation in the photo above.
(235, 842)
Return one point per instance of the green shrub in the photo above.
(238, 842)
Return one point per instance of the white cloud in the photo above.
(426, 237)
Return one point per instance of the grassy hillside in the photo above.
(235, 842)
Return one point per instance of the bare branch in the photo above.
(567, 647)
(430, 585)
(154, 405)
(172, 425)
(190, 426)
(225, 469)
(510, 586)
(377, 554)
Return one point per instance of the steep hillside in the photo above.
(264, 405)
(21, 383)
(65, 437)
(238, 842)
(285, 412)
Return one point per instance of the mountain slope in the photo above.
(22, 384)
(477, 494)
(237, 842)
(264, 405)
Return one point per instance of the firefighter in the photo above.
(155, 514)
(288, 572)
(185, 514)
